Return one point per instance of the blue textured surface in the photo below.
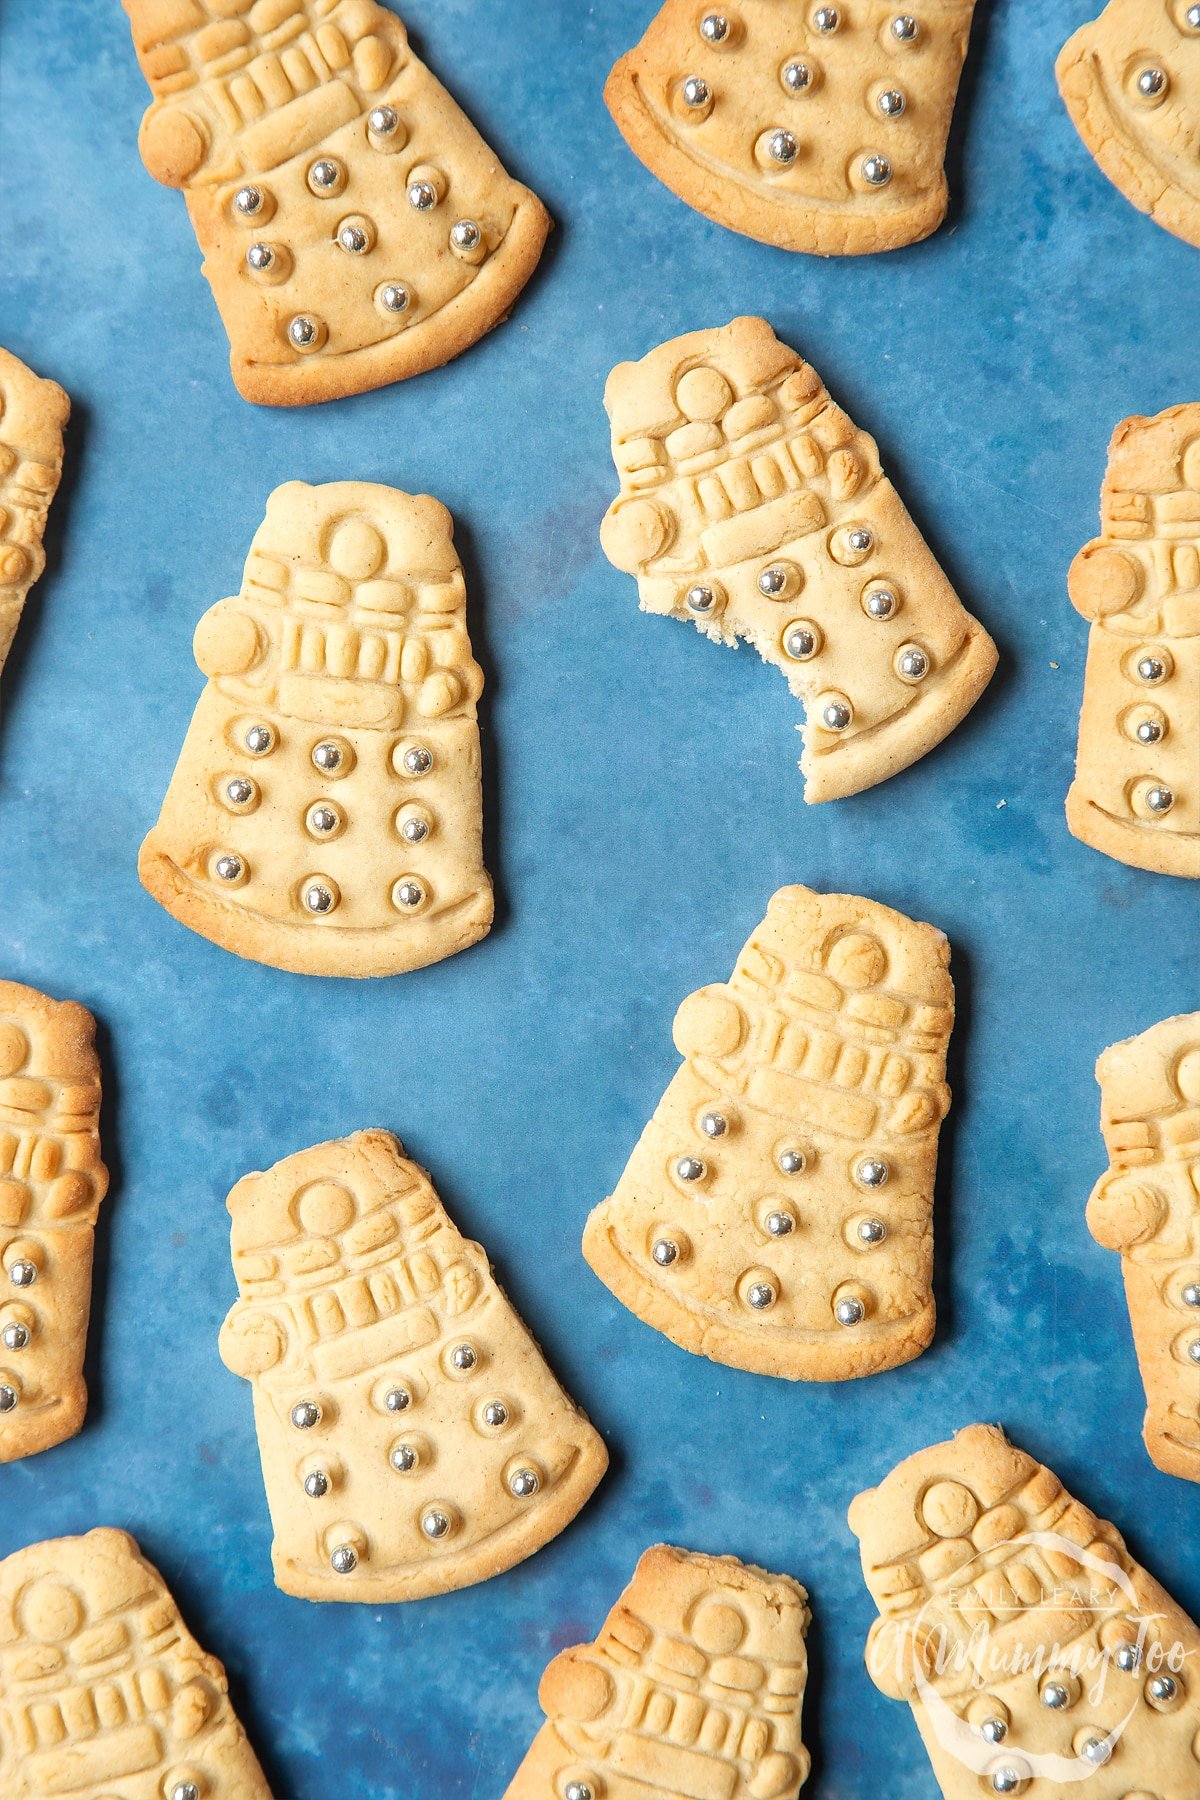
(643, 803)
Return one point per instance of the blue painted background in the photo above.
(643, 802)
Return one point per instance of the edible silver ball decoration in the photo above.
(796, 77)
(689, 1168)
(779, 1224)
(1005, 1781)
(383, 120)
(871, 1231)
(994, 1730)
(495, 1414)
(1151, 669)
(435, 1523)
(248, 201)
(714, 1124)
(714, 28)
(1193, 1350)
(891, 103)
(1191, 18)
(463, 1358)
(344, 1560)
(403, 1459)
(872, 1171)
(876, 170)
(228, 868)
(1191, 1294)
(1056, 1696)
(793, 1162)
(836, 716)
(578, 1790)
(1159, 799)
(760, 1295)
(1151, 83)
(801, 643)
(316, 1485)
(665, 1252)
(912, 663)
(8, 1398)
(15, 1337)
(394, 297)
(185, 1790)
(239, 791)
(827, 18)
(782, 147)
(397, 1399)
(466, 235)
(1149, 732)
(524, 1484)
(353, 239)
(773, 581)
(260, 257)
(418, 760)
(328, 757)
(409, 893)
(260, 739)
(880, 603)
(23, 1274)
(696, 92)
(322, 820)
(318, 898)
(303, 331)
(860, 540)
(853, 1312)
(1097, 1751)
(305, 1414)
(1162, 1688)
(905, 29)
(414, 831)
(700, 599)
(324, 174)
(1128, 1657)
(422, 196)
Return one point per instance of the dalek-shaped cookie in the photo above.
(33, 413)
(1147, 1206)
(1136, 793)
(356, 229)
(51, 1184)
(103, 1690)
(802, 123)
(1037, 1655)
(692, 1691)
(776, 1213)
(325, 815)
(751, 505)
(413, 1439)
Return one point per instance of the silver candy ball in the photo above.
(853, 1312)
(324, 174)
(779, 1224)
(1128, 1657)
(239, 791)
(891, 103)
(872, 1171)
(1191, 1294)
(880, 603)
(782, 148)
(248, 201)
(397, 1400)
(664, 1251)
(463, 1358)
(578, 1790)
(322, 820)
(422, 196)
(15, 1337)
(524, 1483)
(1159, 799)
(760, 1295)
(1151, 83)
(905, 29)
(1151, 669)
(876, 170)
(994, 1730)
(260, 739)
(8, 1398)
(435, 1523)
(860, 539)
(793, 1162)
(414, 831)
(353, 239)
(871, 1231)
(394, 297)
(403, 1459)
(801, 643)
(418, 760)
(773, 581)
(318, 898)
(305, 1414)
(1097, 1751)
(836, 716)
(303, 331)
(466, 235)
(826, 18)
(1193, 1350)
(1056, 1696)
(689, 1168)
(1162, 1688)
(700, 599)
(409, 893)
(1005, 1781)
(316, 1485)
(1149, 732)
(796, 76)
(228, 868)
(696, 92)
(24, 1274)
(714, 1124)
(383, 120)
(495, 1414)
(185, 1790)
(714, 28)
(1191, 18)
(328, 757)
(913, 663)
(344, 1560)
(260, 257)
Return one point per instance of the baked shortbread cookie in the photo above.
(106, 1692)
(356, 229)
(1131, 82)
(33, 414)
(1035, 1652)
(413, 1439)
(812, 126)
(325, 815)
(751, 505)
(692, 1691)
(51, 1184)
(776, 1213)
(1147, 1206)
(1136, 793)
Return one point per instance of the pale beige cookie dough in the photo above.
(326, 814)
(52, 1181)
(356, 229)
(776, 1213)
(692, 1691)
(1131, 82)
(1147, 1206)
(33, 415)
(413, 1439)
(106, 1695)
(1038, 1657)
(751, 505)
(814, 126)
(1136, 793)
